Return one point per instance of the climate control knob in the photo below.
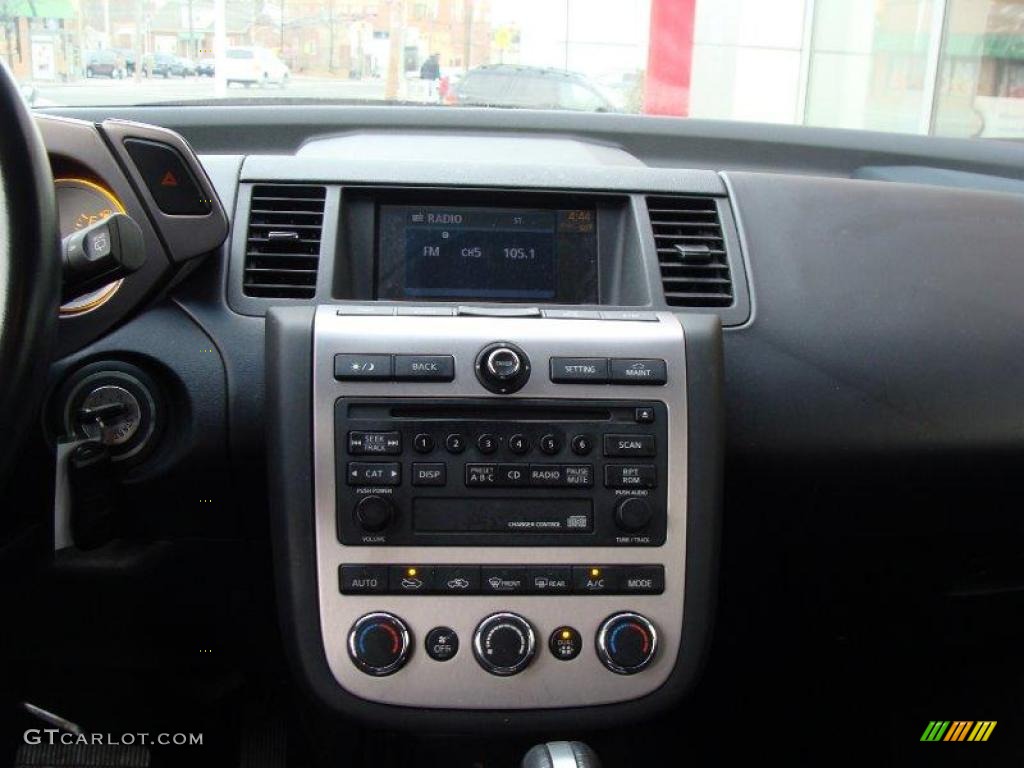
(379, 644)
(374, 513)
(502, 367)
(626, 643)
(504, 644)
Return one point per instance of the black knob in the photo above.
(504, 644)
(374, 513)
(502, 367)
(633, 514)
(626, 643)
(379, 644)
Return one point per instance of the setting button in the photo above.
(429, 474)
(363, 579)
(424, 367)
(629, 445)
(374, 473)
(579, 369)
(630, 476)
(633, 371)
(374, 443)
(349, 367)
(442, 643)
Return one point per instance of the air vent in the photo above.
(282, 248)
(691, 251)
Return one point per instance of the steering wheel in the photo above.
(29, 269)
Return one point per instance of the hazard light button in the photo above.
(170, 182)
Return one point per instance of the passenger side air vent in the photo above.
(282, 247)
(691, 251)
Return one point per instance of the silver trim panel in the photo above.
(462, 683)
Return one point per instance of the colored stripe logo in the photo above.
(958, 730)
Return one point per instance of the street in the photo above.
(108, 92)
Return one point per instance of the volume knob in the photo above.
(374, 513)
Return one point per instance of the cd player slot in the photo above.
(453, 412)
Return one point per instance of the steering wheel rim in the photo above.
(29, 269)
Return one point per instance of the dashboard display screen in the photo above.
(491, 254)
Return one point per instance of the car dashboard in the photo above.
(520, 421)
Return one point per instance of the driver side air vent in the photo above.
(691, 251)
(282, 247)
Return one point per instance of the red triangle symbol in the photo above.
(169, 180)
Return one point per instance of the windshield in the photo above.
(941, 67)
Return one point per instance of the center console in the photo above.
(502, 513)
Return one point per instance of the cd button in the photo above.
(511, 475)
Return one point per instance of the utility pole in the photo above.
(566, 67)
(281, 44)
(140, 18)
(191, 33)
(467, 42)
(395, 48)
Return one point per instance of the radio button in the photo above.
(633, 371)
(349, 367)
(457, 579)
(410, 579)
(374, 443)
(481, 475)
(547, 580)
(424, 368)
(363, 579)
(487, 443)
(429, 474)
(595, 579)
(550, 444)
(513, 475)
(519, 444)
(455, 443)
(504, 581)
(629, 445)
(374, 473)
(568, 370)
(561, 475)
(630, 476)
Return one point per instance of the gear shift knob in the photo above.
(561, 754)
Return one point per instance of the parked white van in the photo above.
(254, 66)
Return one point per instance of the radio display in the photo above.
(494, 254)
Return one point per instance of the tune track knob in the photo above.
(504, 644)
(627, 643)
(379, 644)
(502, 367)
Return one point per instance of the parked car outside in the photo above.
(254, 66)
(505, 85)
(206, 68)
(105, 63)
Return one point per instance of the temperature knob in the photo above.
(626, 643)
(379, 644)
(503, 367)
(504, 644)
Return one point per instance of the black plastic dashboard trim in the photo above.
(289, 423)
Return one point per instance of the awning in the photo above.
(41, 9)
